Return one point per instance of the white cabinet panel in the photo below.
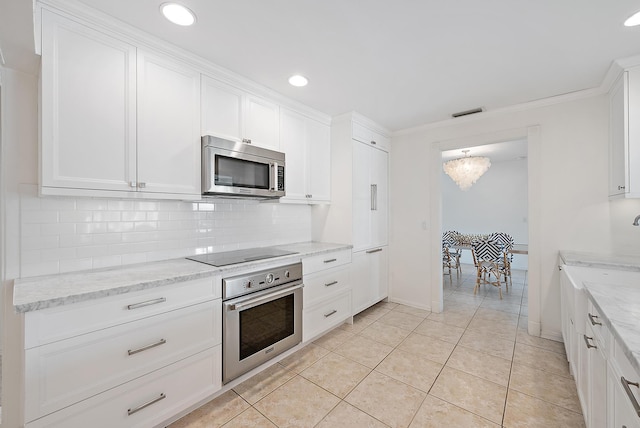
(166, 392)
(88, 107)
(306, 144)
(325, 315)
(221, 110)
(65, 372)
(369, 277)
(293, 144)
(326, 261)
(365, 135)
(624, 136)
(370, 197)
(62, 322)
(262, 122)
(168, 126)
(318, 161)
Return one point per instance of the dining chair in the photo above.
(449, 239)
(507, 242)
(491, 261)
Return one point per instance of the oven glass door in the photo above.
(260, 326)
(238, 172)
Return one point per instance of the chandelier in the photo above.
(466, 171)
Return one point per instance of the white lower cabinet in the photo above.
(161, 345)
(327, 292)
(146, 401)
(369, 277)
(607, 383)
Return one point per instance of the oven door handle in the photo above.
(262, 299)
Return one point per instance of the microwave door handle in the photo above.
(273, 182)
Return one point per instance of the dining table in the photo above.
(516, 249)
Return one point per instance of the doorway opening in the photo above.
(529, 136)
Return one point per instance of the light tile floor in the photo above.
(473, 365)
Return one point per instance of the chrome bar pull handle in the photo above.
(331, 260)
(145, 405)
(147, 303)
(375, 197)
(591, 318)
(144, 348)
(331, 283)
(587, 339)
(632, 398)
(327, 315)
(377, 250)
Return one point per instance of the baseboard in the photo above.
(408, 303)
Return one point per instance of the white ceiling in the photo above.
(401, 63)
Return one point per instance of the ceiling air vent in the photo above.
(468, 112)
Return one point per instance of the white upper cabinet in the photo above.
(262, 122)
(114, 119)
(88, 108)
(168, 126)
(221, 110)
(306, 144)
(232, 114)
(365, 135)
(624, 136)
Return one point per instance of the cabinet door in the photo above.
(622, 412)
(168, 126)
(360, 282)
(88, 107)
(379, 268)
(221, 110)
(362, 194)
(369, 277)
(318, 161)
(261, 122)
(380, 211)
(618, 168)
(292, 143)
(597, 388)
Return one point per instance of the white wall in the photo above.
(497, 202)
(572, 209)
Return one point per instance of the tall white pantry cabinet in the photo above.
(359, 210)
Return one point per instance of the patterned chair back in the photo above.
(450, 237)
(487, 250)
(504, 239)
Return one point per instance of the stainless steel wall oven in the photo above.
(262, 317)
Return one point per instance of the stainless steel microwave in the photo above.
(235, 169)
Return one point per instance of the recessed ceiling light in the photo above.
(297, 80)
(633, 20)
(178, 14)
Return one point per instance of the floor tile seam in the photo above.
(462, 345)
(564, 376)
(506, 397)
(252, 407)
(328, 413)
(275, 389)
(547, 401)
(465, 410)
(541, 347)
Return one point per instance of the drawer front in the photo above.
(167, 391)
(325, 315)
(324, 284)
(600, 330)
(623, 368)
(325, 261)
(62, 373)
(50, 325)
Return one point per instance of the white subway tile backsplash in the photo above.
(65, 234)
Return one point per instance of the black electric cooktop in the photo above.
(239, 256)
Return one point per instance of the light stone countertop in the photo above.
(605, 261)
(31, 294)
(618, 299)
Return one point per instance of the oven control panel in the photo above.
(254, 281)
